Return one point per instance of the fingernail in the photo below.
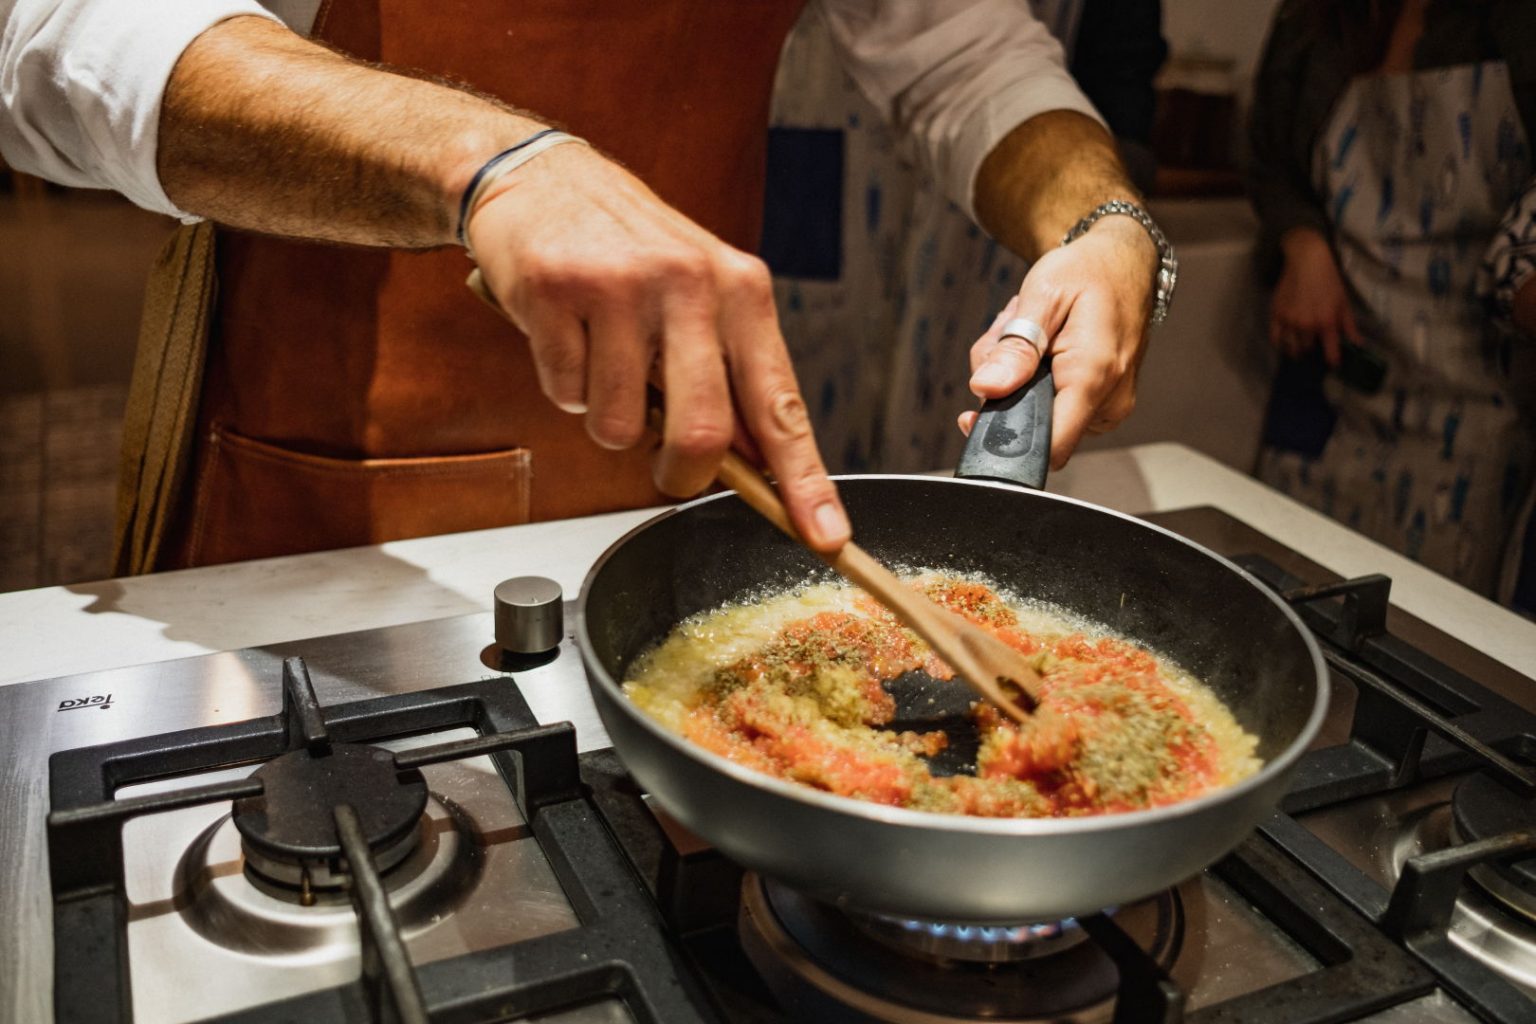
(830, 522)
(991, 375)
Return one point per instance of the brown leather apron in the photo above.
(356, 396)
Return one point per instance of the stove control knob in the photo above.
(529, 615)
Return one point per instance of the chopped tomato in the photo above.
(1109, 733)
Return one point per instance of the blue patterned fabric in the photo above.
(1416, 172)
(882, 350)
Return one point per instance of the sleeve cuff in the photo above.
(145, 56)
(112, 72)
(980, 133)
(953, 76)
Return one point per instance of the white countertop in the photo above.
(57, 631)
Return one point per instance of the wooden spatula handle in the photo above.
(739, 475)
(980, 658)
(850, 560)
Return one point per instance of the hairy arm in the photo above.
(1044, 176)
(263, 130)
(953, 75)
(1093, 297)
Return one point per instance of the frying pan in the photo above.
(1150, 585)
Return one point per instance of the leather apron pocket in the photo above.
(260, 499)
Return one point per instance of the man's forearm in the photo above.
(264, 130)
(267, 131)
(1091, 300)
(1044, 176)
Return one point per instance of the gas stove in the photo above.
(377, 826)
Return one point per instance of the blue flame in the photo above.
(991, 934)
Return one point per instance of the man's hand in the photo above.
(615, 288)
(261, 129)
(1310, 303)
(1092, 298)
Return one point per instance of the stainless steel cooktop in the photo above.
(204, 940)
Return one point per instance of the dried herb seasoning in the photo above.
(1116, 729)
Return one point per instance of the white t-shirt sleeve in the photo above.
(81, 83)
(954, 76)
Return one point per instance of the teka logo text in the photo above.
(100, 700)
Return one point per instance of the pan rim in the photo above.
(1277, 766)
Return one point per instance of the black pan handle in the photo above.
(1011, 441)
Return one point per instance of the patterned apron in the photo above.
(1416, 170)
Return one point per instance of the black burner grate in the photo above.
(1363, 970)
(669, 948)
(1415, 719)
(619, 949)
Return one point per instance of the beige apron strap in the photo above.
(163, 396)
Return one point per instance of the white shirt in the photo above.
(81, 81)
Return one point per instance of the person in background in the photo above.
(882, 278)
(1115, 49)
(1506, 282)
(1389, 138)
(355, 395)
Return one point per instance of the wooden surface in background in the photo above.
(72, 271)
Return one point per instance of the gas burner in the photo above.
(289, 831)
(832, 964)
(1482, 926)
(1481, 809)
(241, 911)
(972, 943)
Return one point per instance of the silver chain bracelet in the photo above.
(1167, 261)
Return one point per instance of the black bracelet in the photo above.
(469, 190)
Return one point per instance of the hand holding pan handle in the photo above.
(1011, 440)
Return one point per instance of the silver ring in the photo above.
(1025, 328)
